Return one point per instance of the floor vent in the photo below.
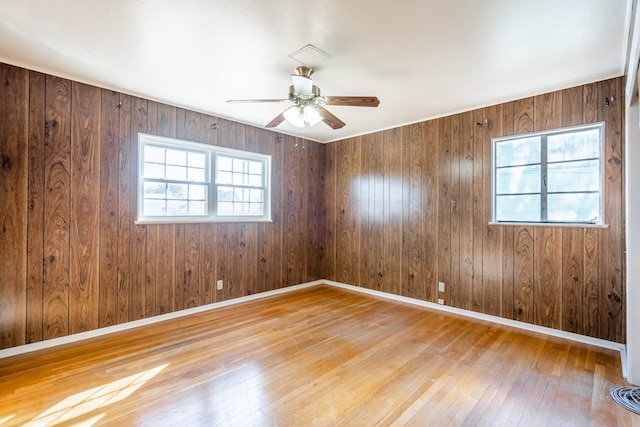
(627, 397)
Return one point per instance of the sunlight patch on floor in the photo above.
(6, 419)
(85, 402)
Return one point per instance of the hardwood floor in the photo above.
(316, 356)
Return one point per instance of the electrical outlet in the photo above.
(440, 286)
(219, 285)
(440, 301)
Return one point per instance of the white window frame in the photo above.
(212, 151)
(543, 193)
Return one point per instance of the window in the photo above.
(549, 177)
(181, 181)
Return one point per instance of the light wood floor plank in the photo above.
(316, 356)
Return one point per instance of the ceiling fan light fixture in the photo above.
(311, 115)
(294, 116)
(300, 116)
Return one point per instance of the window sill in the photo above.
(201, 220)
(550, 224)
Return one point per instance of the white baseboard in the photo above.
(14, 351)
(597, 342)
(54, 342)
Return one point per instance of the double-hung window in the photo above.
(182, 181)
(549, 177)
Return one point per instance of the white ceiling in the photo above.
(422, 59)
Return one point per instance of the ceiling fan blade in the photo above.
(245, 101)
(276, 121)
(354, 101)
(330, 119)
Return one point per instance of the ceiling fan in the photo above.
(308, 108)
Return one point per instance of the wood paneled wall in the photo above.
(411, 206)
(397, 211)
(71, 257)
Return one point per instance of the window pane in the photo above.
(525, 208)
(177, 191)
(239, 165)
(177, 173)
(197, 208)
(522, 151)
(255, 168)
(256, 208)
(153, 154)
(225, 208)
(197, 175)
(154, 207)
(155, 190)
(197, 160)
(225, 194)
(224, 178)
(177, 207)
(224, 163)
(573, 146)
(516, 180)
(153, 170)
(175, 157)
(238, 179)
(197, 192)
(255, 180)
(575, 207)
(573, 176)
(255, 195)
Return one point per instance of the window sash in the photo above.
(544, 192)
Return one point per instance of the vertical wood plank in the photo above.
(418, 280)
(331, 228)
(35, 215)
(393, 205)
(547, 284)
(277, 226)
(85, 207)
(347, 254)
(445, 204)
(452, 292)
(109, 208)
(465, 287)
(56, 207)
(365, 200)
(14, 131)
(611, 327)
(591, 309)
(523, 274)
(378, 266)
(478, 197)
(124, 210)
